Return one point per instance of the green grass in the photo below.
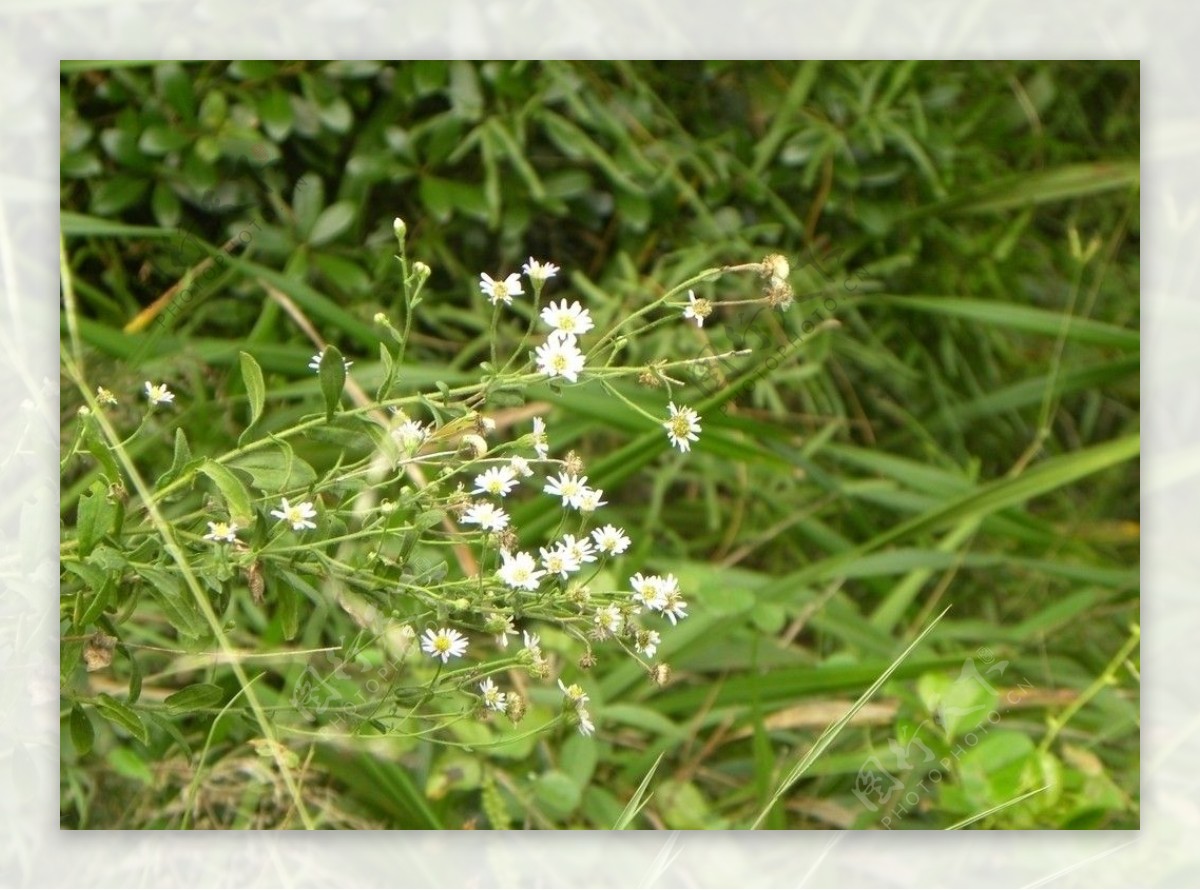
(945, 423)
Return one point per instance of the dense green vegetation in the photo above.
(946, 418)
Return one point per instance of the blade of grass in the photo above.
(829, 735)
(639, 799)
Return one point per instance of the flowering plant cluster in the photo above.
(433, 539)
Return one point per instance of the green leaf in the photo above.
(83, 734)
(256, 389)
(182, 458)
(332, 374)
(96, 514)
(118, 193)
(120, 714)
(166, 205)
(578, 759)
(307, 203)
(333, 221)
(274, 470)
(175, 86)
(237, 498)
(962, 703)
(557, 793)
(160, 139)
(99, 583)
(288, 605)
(275, 109)
(99, 449)
(177, 603)
(195, 697)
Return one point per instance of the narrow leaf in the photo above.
(332, 373)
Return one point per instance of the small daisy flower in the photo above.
(505, 630)
(520, 466)
(444, 643)
(586, 726)
(532, 642)
(559, 561)
(560, 357)
(682, 427)
(493, 698)
(495, 480)
(697, 309)
(590, 500)
(574, 694)
(675, 607)
(298, 516)
(410, 435)
(501, 291)
(580, 549)
(609, 620)
(541, 444)
(222, 531)
(539, 272)
(315, 362)
(573, 319)
(519, 572)
(647, 642)
(567, 486)
(158, 394)
(650, 591)
(611, 539)
(105, 397)
(487, 516)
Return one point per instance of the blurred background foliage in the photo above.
(962, 432)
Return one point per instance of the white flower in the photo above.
(541, 444)
(495, 480)
(532, 642)
(682, 427)
(222, 531)
(539, 272)
(105, 396)
(520, 466)
(573, 319)
(647, 642)
(697, 309)
(519, 572)
(586, 726)
(560, 357)
(158, 394)
(580, 549)
(299, 516)
(410, 435)
(493, 698)
(487, 516)
(506, 630)
(501, 290)
(611, 539)
(559, 561)
(568, 486)
(315, 362)
(574, 693)
(675, 607)
(650, 591)
(608, 619)
(589, 500)
(444, 643)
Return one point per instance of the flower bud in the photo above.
(399, 228)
